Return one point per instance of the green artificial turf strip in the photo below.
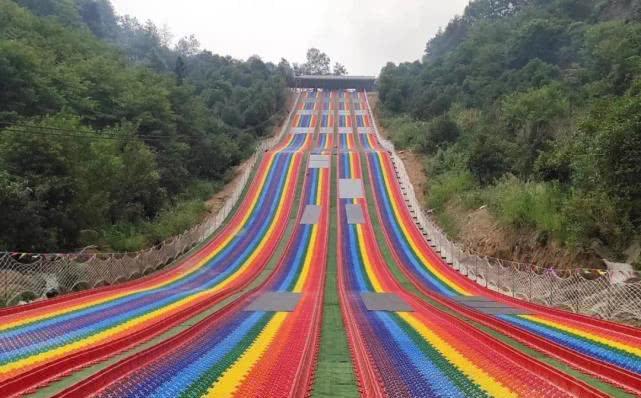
(334, 373)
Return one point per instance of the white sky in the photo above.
(361, 34)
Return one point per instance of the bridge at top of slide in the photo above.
(243, 314)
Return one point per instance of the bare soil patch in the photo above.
(479, 231)
(416, 171)
(216, 202)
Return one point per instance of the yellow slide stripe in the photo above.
(584, 334)
(227, 384)
(469, 369)
(302, 278)
(313, 239)
(367, 260)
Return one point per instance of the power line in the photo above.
(44, 130)
(78, 135)
(56, 131)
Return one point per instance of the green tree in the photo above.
(100, 17)
(317, 63)
(544, 90)
(339, 69)
(441, 131)
(487, 159)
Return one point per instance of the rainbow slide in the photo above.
(423, 352)
(202, 328)
(604, 349)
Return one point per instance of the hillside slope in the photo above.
(531, 108)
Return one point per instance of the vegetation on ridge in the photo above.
(108, 135)
(533, 108)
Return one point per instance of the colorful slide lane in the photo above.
(328, 122)
(306, 112)
(424, 352)
(49, 339)
(243, 353)
(563, 335)
(345, 132)
(325, 141)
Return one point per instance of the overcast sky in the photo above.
(363, 35)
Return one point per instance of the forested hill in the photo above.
(532, 107)
(106, 127)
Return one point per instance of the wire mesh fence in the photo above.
(26, 277)
(606, 294)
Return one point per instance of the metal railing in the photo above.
(29, 276)
(607, 294)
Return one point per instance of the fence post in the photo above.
(476, 268)
(552, 287)
(4, 282)
(499, 275)
(487, 271)
(609, 310)
(578, 298)
(513, 281)
(529, 277)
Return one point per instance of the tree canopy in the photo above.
(533, 92)
(318, 63)
(104, 126)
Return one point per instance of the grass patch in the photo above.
(334, 373)
(450, 185)
(407, 133)
(447, 221)
(527, 204)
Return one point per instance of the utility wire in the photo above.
(91, 134)
(56, 131)
(78, 135)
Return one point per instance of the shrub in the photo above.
(593, 215)
(405, 132)
(487, 159)
(441, 132)
(527, 204)
(448, 186)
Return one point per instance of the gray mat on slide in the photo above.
(384, 302)
(350, 188)
(317, 161)
(311, 214)
(354, 214)
(489, 306)
(302, 130)
(275, 301)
